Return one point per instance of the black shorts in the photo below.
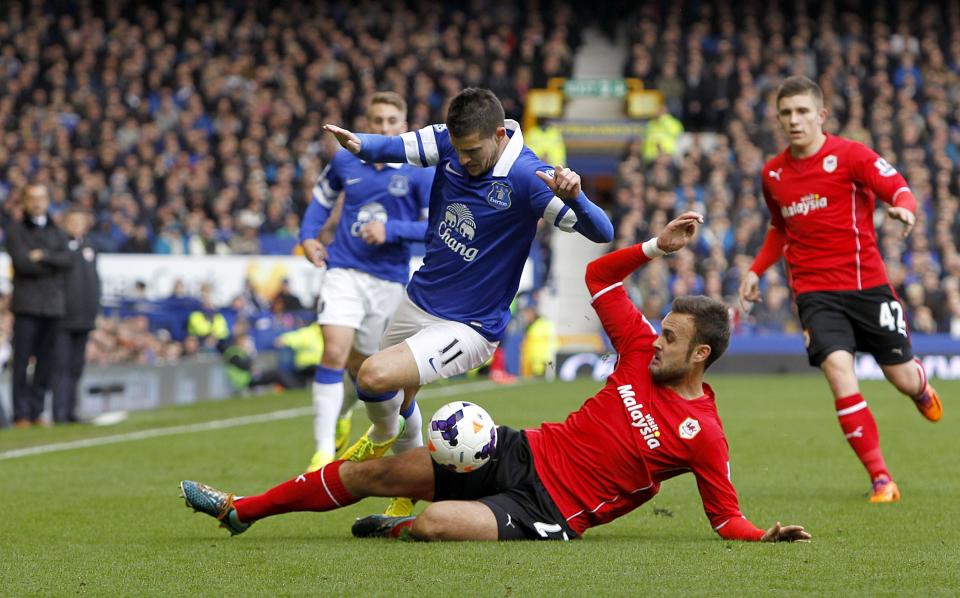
(509, 485)
(871, 320)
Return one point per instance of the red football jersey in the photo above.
(824, 204)
(610, 455)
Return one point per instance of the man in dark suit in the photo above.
(83, 290)
(38, 250)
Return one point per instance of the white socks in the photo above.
(412, 436)
(385, 417)
(327, 402)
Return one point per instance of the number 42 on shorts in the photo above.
(891, 322)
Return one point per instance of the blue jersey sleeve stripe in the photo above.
(566, 220)
(323, 192)
(560, 214)
(552, 211)
(412, 148)
(420, 152)
(431, 152)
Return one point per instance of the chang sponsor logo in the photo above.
(644, 422)
(808, 203)
(457, 230)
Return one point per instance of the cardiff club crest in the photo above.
(689, 428)
(499, 196)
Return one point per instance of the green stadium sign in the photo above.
(596, 88)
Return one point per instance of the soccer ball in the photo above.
(461, 436)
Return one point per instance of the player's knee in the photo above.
(431, 525)
(371, 379)
(334, 356)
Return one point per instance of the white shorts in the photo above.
(442, 348)
(357, 300)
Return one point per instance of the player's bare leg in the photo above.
(407, 474)
(858, 424)
(911, 379)
(328, 391)
(455, 520)
(840, 373)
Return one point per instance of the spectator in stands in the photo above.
(546, 140)
(240, 360)
(287, 301)
(38, 250)
(661, 135)
(220, 109)
(539, 349)
(306, 343)
(773, 314)
(82, 286)
(207, 324)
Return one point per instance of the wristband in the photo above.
(651, 250)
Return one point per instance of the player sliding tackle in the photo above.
(487, 196)
(654, 419)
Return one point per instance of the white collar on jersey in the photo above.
(390, 164)
(511, 152)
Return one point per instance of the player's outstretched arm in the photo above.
(370, 147)
(614, 267)
(741, 529)
(592, 222)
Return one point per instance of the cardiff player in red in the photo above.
(821, 193)
(654, 419)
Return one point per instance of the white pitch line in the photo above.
(219, 424)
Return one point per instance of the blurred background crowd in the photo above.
(890, 73)
(194, 128)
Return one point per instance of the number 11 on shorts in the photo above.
(887, 319)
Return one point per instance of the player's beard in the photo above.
(664, 375)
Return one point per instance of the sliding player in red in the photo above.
(654, 419)
(821, 193)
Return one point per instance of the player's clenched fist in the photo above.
(564, 183)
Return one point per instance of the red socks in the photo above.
(321, 490)
(860, 429)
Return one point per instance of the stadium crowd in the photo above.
(199, 131)
(891, 79)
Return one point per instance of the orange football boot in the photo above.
(884, 490)
(930, 407)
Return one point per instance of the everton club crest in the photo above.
(399, 186)
(499, 196)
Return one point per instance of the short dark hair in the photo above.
(474, 110)
(798, 85)
(711, 323)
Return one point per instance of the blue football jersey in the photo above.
(480, 229)
(397, 195)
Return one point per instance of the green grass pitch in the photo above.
(107, 520)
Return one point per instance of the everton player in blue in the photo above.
(368, 262)
(488, 194)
